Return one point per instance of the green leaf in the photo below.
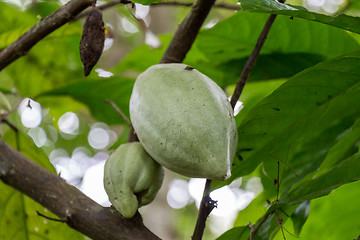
(345, 172)
(335, 213)
(236, 233)
(300, 121)
(43, 9)
(340, 150)
(271, 6)
(93, 93)
(18, 216)
(300, 216)
(354, 5)
(268, 66)
(277, 215)
(224, 42)
(10, 17)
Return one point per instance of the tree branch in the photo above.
(186, 32)
(66, 201)
(44, 27)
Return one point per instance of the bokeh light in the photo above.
(103, 73)
(328, 6)
(152, 40)
(100, 136)
(92, 184)
(178, 194)
(30, 113)
(38, 135)
(69, 124)
(128, 26)
(141, 11)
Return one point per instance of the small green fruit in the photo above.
(184, 121)
(131, 178)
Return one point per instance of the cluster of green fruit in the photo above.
(184, 122)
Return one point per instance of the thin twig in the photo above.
(117, 109)
(250, 63)
(285, 164)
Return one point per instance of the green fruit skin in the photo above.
(131, 178)
(184, 121)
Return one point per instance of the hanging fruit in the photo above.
(184, 121)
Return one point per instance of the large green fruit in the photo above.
(184, 121)
(131, 178)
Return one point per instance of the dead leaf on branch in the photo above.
(92, 40)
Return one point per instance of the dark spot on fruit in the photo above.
(188, 68)
(276, 109)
